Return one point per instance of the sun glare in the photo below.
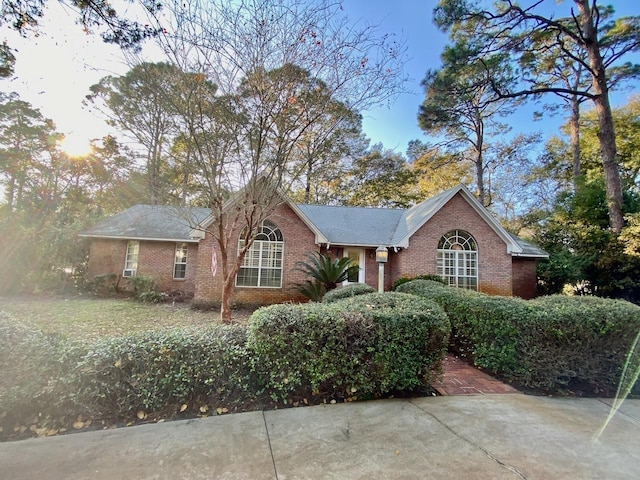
(75, 145)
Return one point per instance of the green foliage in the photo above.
(361, 346)
(160, 371)
(402, 280)
(380, 178)
(145, 290)
(549, 344)
(325, 273)
(584, 253)
(104, 284)
(561, 268)
(313, 290)
(40, 362)
(348, 291)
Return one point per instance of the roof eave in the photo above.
(404, 241)
(513, 248)
(531, 255)
(149, 239)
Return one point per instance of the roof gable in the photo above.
(414, 218)
(331, 225)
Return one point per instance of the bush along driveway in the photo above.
(362, 347)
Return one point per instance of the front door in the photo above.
(357, 257)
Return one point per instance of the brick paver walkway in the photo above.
(460, 378)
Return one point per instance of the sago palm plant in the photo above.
(325, 274)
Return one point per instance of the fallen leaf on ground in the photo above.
(184, 407)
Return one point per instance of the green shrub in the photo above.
(578, 342)
(324, 274)
(347, 291)
(162, 370)
(361, 346)
(31, 377)
(104, 284)
(403, 280)
(550, 344)
(145, 290)
(313, 290)
(455, 301)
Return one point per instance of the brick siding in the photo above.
(524, 277)
(299, 241)
(155, 259)
(494, 263)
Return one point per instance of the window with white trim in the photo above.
(131, 259)
(262, 264)
(180, 261)
(457, 259)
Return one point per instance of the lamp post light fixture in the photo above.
(382, 255)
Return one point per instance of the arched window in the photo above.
(262, 265)
(457, 259)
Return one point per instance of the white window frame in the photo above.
(131, 256)
(266, 255)
(179, 259)
(457, 259)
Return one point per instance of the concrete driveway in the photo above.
(471, 437)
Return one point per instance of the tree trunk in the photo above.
(479, 160)
(480, 179)
(606, 131)
(307, 188)
(225, 300)
(574, 126)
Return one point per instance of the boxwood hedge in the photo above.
(347, 291)
(367, 345)
(162, 370)
(551, 343)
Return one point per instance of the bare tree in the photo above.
(264, 75)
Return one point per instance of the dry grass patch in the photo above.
(91, 318)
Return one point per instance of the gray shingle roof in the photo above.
(417, 215)
(528, 248)
(150, 222)
(354, 225)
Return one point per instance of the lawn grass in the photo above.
(92, 318)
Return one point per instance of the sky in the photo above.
(55, 70)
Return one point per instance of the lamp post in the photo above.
(382, 255)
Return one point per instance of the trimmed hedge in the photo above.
(549, 344)
(31, 377)
(426, 276)
(162, 370)
(347, 291)
(367, 345)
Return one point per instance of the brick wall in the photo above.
(299, 241)
(106, 256)
(524, 277)
(155, 259)
(494, 263)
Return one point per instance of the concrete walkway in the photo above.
(454, 437)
